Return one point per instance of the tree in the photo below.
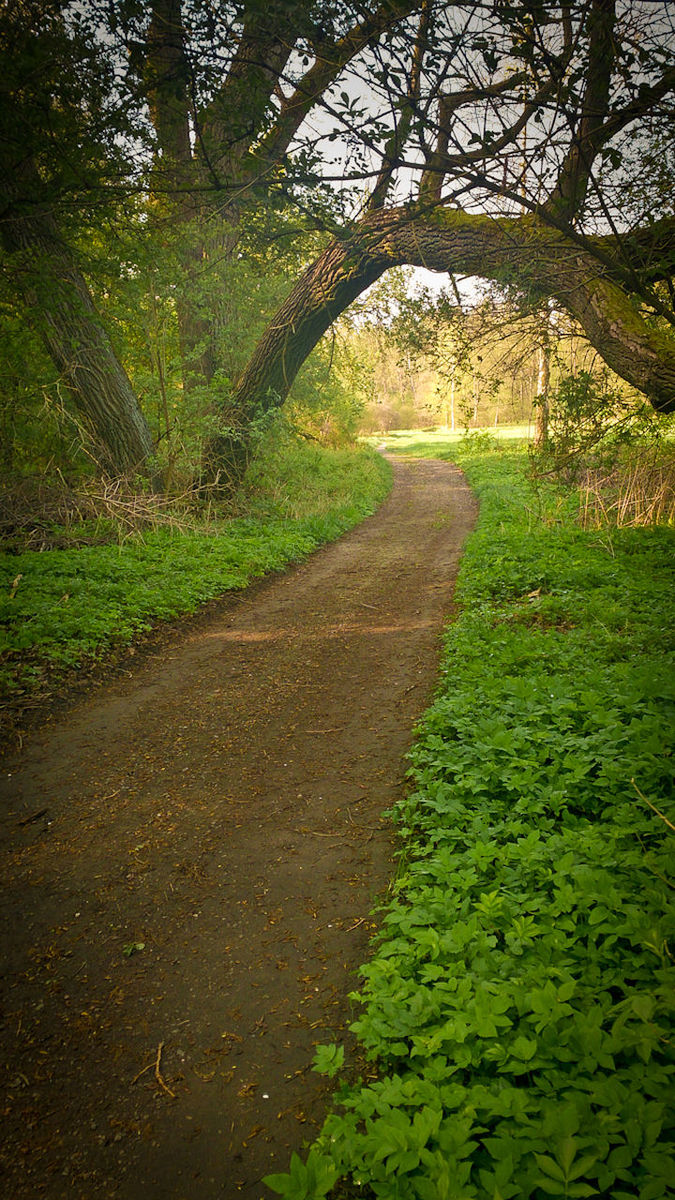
(507, 140)
(477, 350)
(56, 99)
(590, 85)
(193, 106)
(228, 98)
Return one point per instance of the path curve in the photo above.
(221, 806)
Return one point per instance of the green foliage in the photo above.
(323, 403)
(593, 413)
(519, 1001)
(63, 608)
(329, 1060)
(313, 1178)
(37, 429)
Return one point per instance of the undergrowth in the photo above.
(63, 608)
(518, 1004)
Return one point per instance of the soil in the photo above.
(191, 857)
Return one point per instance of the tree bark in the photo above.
(62, 311)
(543, 380)
(175, 174)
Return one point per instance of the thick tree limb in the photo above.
(520, 248)
(438, 164)
(232, 121)
(331, 58)
(167, 86)
(403, 126)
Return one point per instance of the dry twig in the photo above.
(653, 806)
(158, 1073)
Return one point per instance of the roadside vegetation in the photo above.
(517, 1010)
(111, 565)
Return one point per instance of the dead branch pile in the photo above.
(49, 514)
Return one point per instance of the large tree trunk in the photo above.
(326, 289)
(176, 178)
(62, 311)
(520, 249)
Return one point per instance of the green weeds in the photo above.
(518, 1004)
(63, 608)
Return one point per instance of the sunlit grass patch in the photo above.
(429, 443)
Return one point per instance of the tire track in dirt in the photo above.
(221, 806)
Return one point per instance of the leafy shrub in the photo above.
(592, 415)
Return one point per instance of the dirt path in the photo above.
(220, 806)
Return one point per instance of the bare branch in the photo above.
(402, 129)
(331, 58)
(439, 163)
(570, 190)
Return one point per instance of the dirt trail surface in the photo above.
(190, 859)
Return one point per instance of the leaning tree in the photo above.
(60, 152)
(526, 143)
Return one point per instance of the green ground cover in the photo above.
(63, 608)
(518, 1005)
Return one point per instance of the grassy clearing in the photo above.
(438, 441)
(518, 1005)
(62, 608)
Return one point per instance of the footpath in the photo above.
(190, 860)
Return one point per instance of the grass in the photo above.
(430, 441)
(518, 1005)
(638, 489)
(63, 608)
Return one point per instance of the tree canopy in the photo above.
(528, 143)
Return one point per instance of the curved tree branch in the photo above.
(520, 248)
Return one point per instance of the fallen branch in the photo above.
(158, 1073)
(142, 1072)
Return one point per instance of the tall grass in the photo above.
(638, 490)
